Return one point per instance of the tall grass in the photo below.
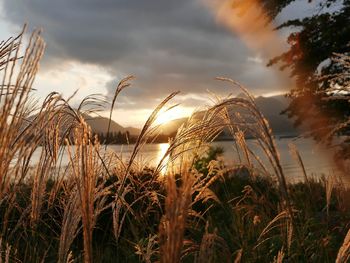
(191, 207)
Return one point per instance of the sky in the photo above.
(168, 45)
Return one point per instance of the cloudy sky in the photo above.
(168, 45)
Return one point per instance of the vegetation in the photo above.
(126, 138)
(116, 137)
(189, 208)
(318, 58)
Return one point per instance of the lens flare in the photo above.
(247, 19)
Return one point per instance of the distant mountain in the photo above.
(271, 107)
(171, 127)
(100, 125)
(282, 98)
(133, 130)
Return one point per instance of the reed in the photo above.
(173, 224)
(296, 155)
(190, 207)
(344, 251)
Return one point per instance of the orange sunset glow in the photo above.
(175, 131)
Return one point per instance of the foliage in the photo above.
(127, 138)
(247, 206)
(202, 164)
(103, 208)
(321, 97)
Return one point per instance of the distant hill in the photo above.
(271, 107)
(171, 127)
(100, 125)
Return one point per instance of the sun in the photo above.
(174, 113)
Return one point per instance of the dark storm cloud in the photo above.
(168, 44)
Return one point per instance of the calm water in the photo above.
(317, 159)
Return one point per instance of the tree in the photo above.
(318, 58)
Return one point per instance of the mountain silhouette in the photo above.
(100, 125)
(271, 107)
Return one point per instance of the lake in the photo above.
(317, 158)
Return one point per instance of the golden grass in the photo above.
(173, 224)
(58, 210)
(344, 251)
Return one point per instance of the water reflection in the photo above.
(149, 155)
(162, 149)
(317, 159)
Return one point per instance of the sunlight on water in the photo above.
(163, 147)
(150, 155)
(317, 159)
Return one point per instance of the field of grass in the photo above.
(189, 208)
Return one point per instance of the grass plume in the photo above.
(102, 208)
